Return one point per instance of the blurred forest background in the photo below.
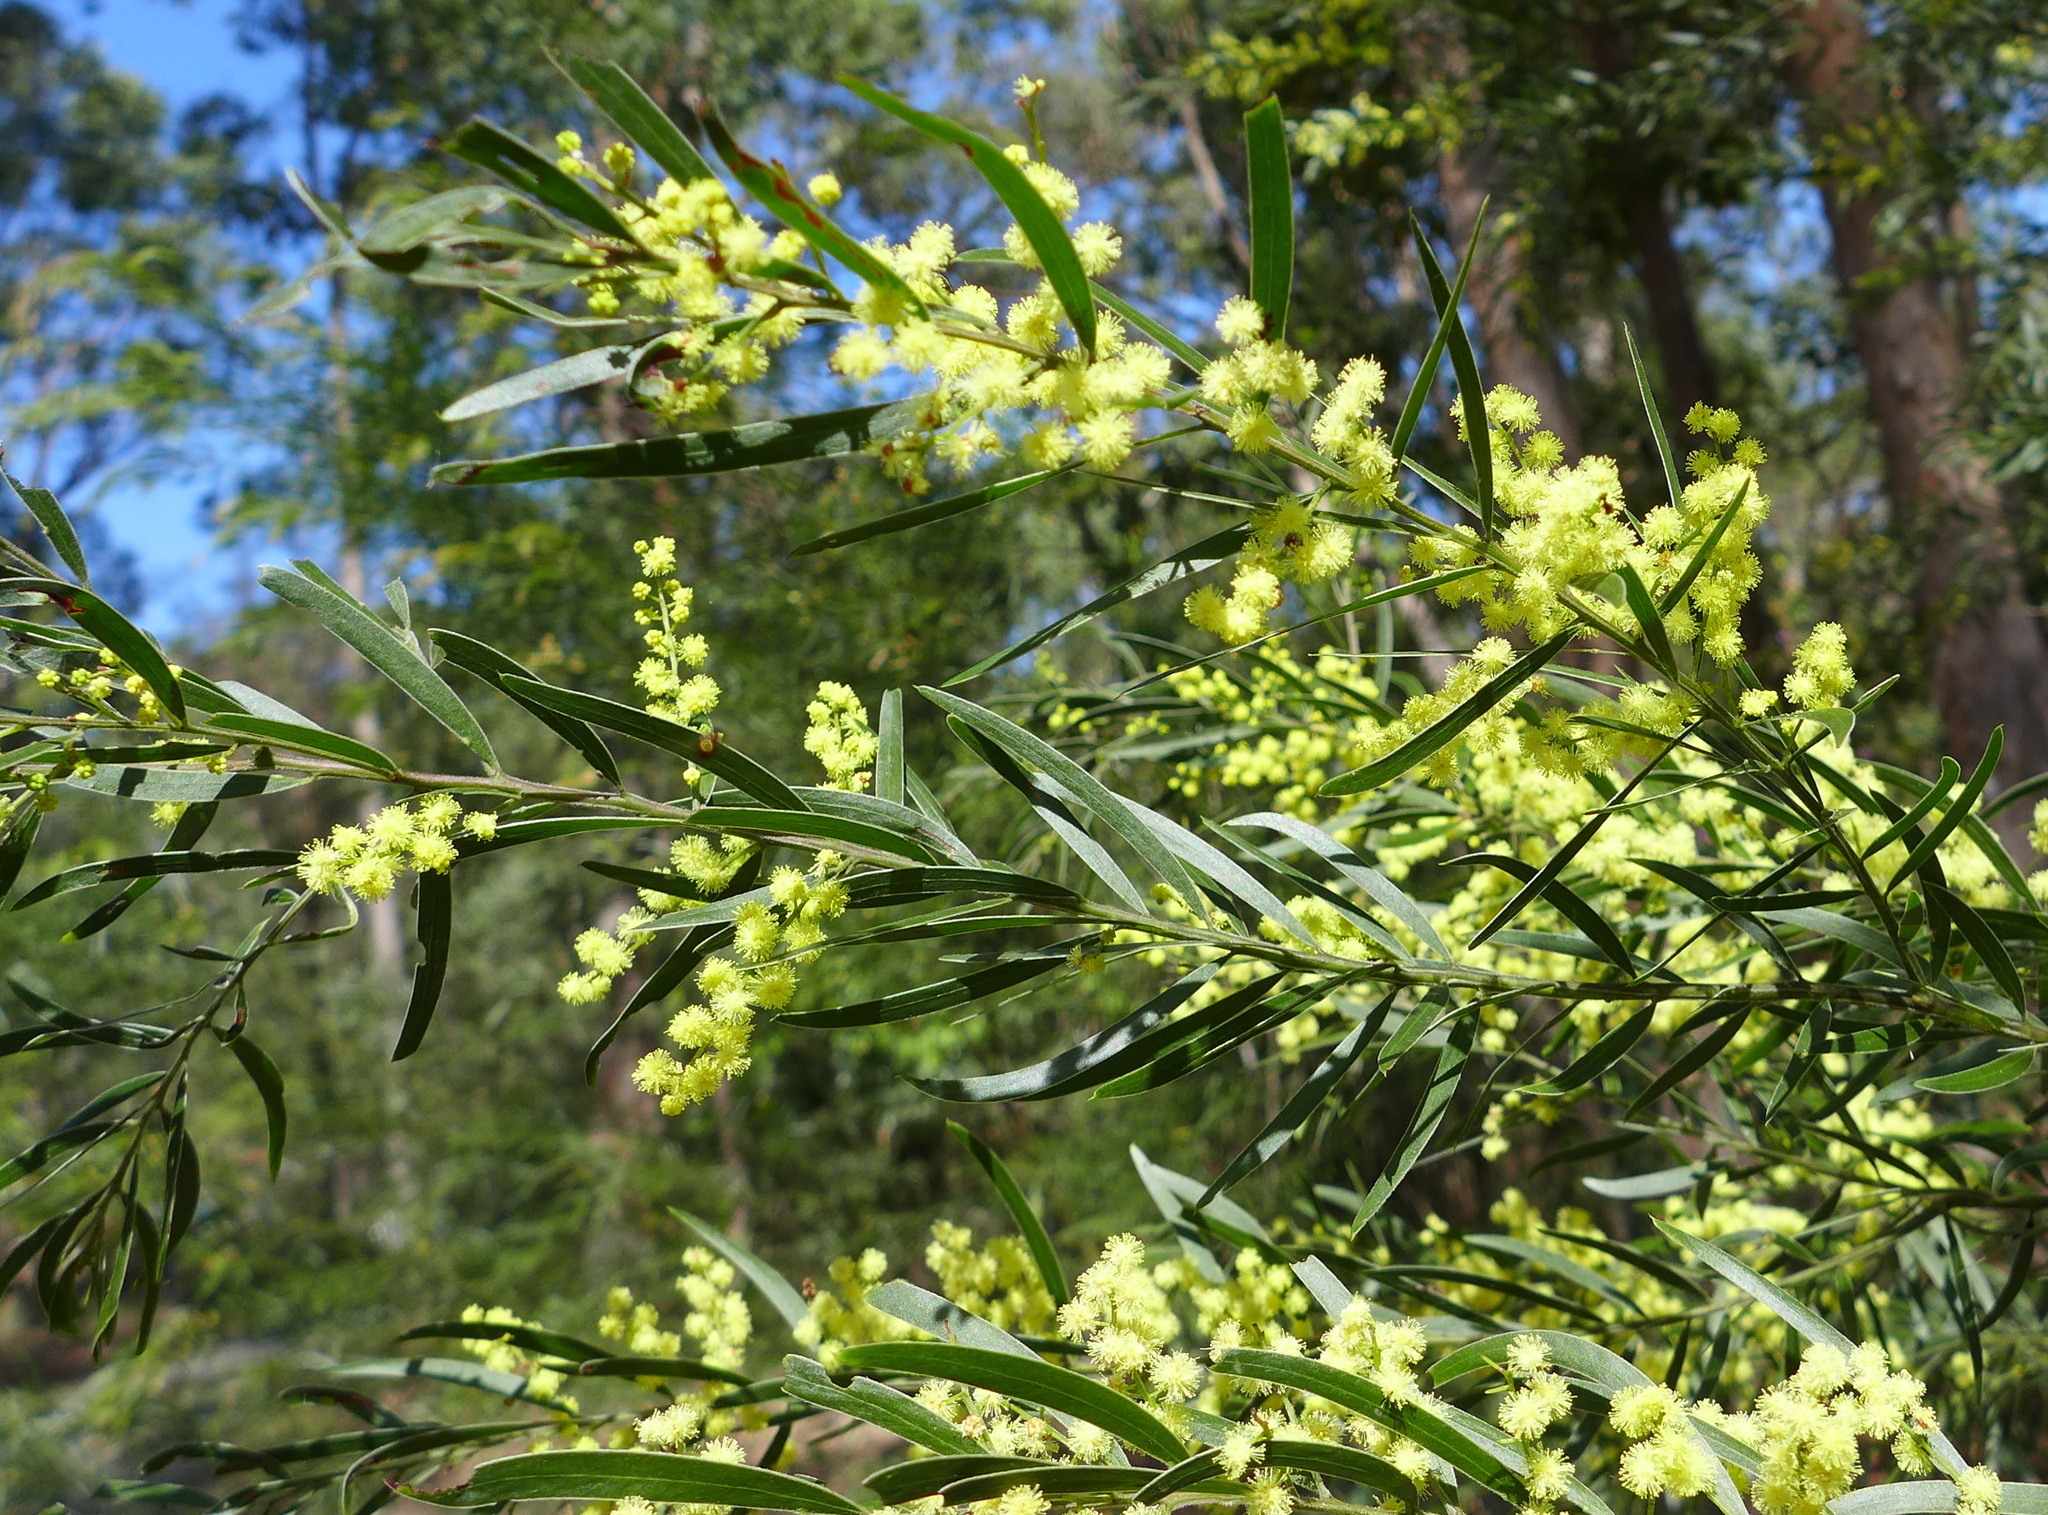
(1827, 215)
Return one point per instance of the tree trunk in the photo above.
(1989, 658)
(1674, 321)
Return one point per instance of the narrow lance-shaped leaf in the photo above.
(1034, 218)
(1657, 436)
(270, 1088)
(1561, 859)
(1184, 564)
(760, 444)
(1958, 808)
(612, 1475)
(48, 514)
(1705, 553)
(535, 173)
(1425, 374)
(1478, 431)
(116, 632)
(1272, 213)
(436, 909)
(925, 514)
(612, 90)
(776, 1289)
(1422, 1126)
(1086, 789)
(1029, 1379)
(889, 749)
(1302, 1104)
(1440, 734)
(1033, 1229)
(773, 187)
(379, 645)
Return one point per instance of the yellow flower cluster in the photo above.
(1290, 543)
(1386, 1353)
(998, 1282)
(367, 861)
(841, 1316)
(704, 247)
(636, 1326)
(1806, 1429)
(664, 610)
(95, 686)
(1664, 1456)
(838, 737)
(1536, 1400)
(986, 360)
(1119, 1312)
(719, 1030)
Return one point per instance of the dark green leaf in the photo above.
(1663, 443)
(905, 1482)
(1422, 1125)
(1435, 737)
(1598, 1058)
(660, 1476)
(1566, 903)
(297, 738)
(2007, 1068)
(1473, 1458)
(1272, 213)
(877, 1404)
(702, 748)
(534, 173)
(1478, 430)
(1028, 1223)
(800, 827)
(56, 525)
(1449, 317)
(492, 666)
(1958, 808)
(659, 1367)
(888, 750)
(612, 90)
(1978, 933)
(270, 1088)
(533, 1339)
(1117, 814)
(436, 910)
(1701, 558)
(1028, 1379)
(925, 514)
(1303, 1103)
(152, 865)
(1097, 1059)
(1034, 218)
(116, 633)
(1184, 564)
(18, 844)
(1951, 775)
(1136, 318)
(945, 994)
(757, 445)
(772, 185)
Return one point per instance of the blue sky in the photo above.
(186, 50)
